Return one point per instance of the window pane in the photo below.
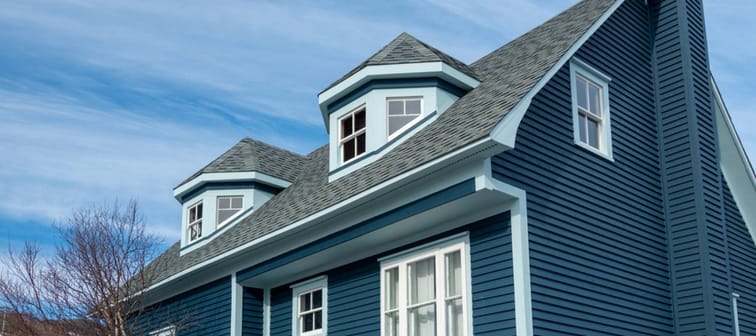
(593, 133)
(392, 324)
(304, 302)
(199, 211)
(453, 274)
(392, 284)
(582, 95)
(397, 122)
(225, 214)
(307, 322)
(192, 214)
(594, 96)
(359, 120)
(348, 150)
(317, 299)
(237, 202)
(422, 320)
(582, 128)
(454, 318)
(422, 280)
(413, 106)
(224, 202)
(360, 144)
(346, 127)
(395, 107)
(318, 320)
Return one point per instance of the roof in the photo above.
(507, 75)
(405, 49)
(250, 155)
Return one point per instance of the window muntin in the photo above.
(227, 207)
(310, 307)
(590, 108)
(426, 294)
(194, 217)
(352, 135)
(401, 112)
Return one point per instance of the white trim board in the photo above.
(229, 177)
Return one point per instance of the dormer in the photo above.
(232, 186)
(396, 92)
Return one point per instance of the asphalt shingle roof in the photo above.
(507, 75)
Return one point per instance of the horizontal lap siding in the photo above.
(742, 253)
(597, 235)
(205, 310)
(354, 289)
(252, 312)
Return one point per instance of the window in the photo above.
(228, 206)
(425, 293)
(167, 331)
(352, 135)
(310, 307)
(590, 105)
(401, 112)
(195, 221)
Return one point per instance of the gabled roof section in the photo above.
(406, 49)
(508, 75)
(250, 155)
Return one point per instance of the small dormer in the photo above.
(235, 184)
(396, 92)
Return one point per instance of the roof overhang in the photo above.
(733, 161)
(390, 71)
(205, 178)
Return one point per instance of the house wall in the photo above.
(205, 310)
(354, 289)
(597, 236)
(742, 253)
(252, 312)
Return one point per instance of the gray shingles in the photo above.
(507, 75)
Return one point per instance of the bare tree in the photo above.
(92, 284)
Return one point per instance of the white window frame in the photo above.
(305, 287)
(218, 209)
(735, 318)
(402, 129)
(197, 222)
(437, 249)
(355, 133)
(167, 331)
(591, 75)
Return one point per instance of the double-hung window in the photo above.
(309, 300)
(227, 207)
(425, 292)
(352, 135)
(194, 217)
(590, 108)
(402, 112)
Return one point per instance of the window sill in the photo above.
(604, 155)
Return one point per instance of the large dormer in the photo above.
(397, 91)
(232, 186)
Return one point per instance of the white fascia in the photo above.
(735, 165)
(505, 131)
(229, 177)
(406, 70)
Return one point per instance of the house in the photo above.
(583, 179)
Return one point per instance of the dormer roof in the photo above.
(406, 49)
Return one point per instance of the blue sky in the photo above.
(118, 99)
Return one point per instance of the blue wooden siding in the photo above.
(354, 289)
(205, 310)
(690, 170)
(742, 252)
(252, 312)
(597, 235)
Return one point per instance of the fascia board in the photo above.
(229, 177)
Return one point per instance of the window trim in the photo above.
(579, 68)
(166, 331)
(401, 130)
(354, 135)
(306, 287)
(218, 223)
(189, 223)
(458, 242)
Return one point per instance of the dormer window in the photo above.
(195, 221)
(228, 206)
(401, 112)
(352, 137)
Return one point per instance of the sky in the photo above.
(120, 99)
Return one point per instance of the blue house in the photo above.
(583, 179)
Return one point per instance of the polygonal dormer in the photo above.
(396, 92)
(225, 191)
